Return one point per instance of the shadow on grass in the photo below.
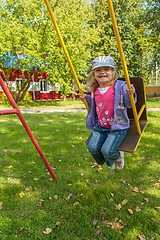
(84, 204)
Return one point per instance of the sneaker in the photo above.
(113, 167)
(119, 163)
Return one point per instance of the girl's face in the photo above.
(104, 76)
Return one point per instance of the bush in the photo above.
(26, 99)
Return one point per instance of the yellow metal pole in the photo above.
(141, 111)
(65, 51)
(115, 28)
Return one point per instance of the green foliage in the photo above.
(86, 28)
(27, 99)
(5, 99)
(150, 41)
(28, 30)
(127, 15)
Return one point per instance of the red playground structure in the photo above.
(16, 110)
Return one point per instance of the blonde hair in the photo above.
(93, 84)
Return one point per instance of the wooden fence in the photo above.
(153, 91)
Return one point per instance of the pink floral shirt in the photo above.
(104, 98)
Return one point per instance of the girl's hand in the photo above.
(131, 89)
(83, 97)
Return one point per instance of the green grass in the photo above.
(58, 104)
(83, 203)
(153, 102)
(68, 104)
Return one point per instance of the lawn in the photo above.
(153, 102)
(57, 104)
(68, 104)
(87, 202)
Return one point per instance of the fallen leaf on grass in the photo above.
(39, 204)
(1, 205)
(138, 209)
(142, 237)
(80, 195)
(57, 224)
(95, 222)
(157, 207)
(118, 207)
(76, 203)
(124, 201)
(21, 195)
(111, 200)
(147, 200)
(21, 229)
(130, 211)
(94, 165)
(157, 184)
(136, 190)
(122, 181)
(56, 196)
(141, 192)
(47, 231)
(118, 224)
(69, 196)
(98, 232)
(99, 168)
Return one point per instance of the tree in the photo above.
(27, 30)
(150, 42)
(127, 15)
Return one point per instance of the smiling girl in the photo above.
(107, 114)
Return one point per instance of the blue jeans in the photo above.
(103, 144)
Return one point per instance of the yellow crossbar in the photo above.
(115, 28)
(141, 111)
(65, 51)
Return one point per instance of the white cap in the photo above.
(103, 61)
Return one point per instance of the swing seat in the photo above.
(132, 139)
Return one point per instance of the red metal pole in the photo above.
(18, 112)
(5, 112)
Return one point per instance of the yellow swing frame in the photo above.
(128, 146)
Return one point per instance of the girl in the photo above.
(107, 115)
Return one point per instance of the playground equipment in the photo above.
(16, 110)
(138, 121)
